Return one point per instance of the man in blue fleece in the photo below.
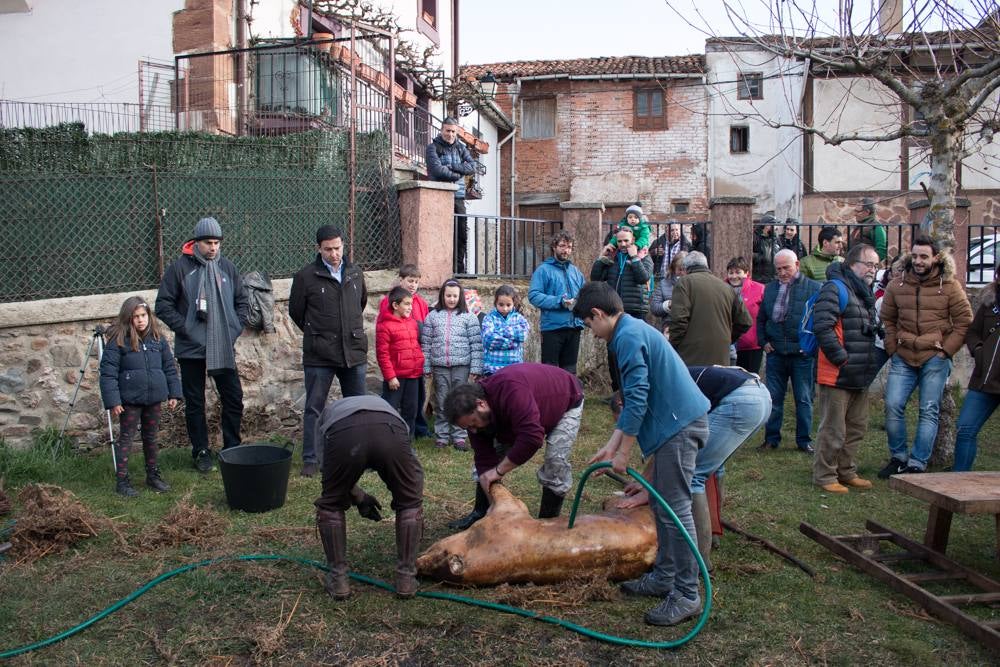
(664, 412)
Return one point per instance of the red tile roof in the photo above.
(625, 66)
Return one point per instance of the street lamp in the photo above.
(488, 85)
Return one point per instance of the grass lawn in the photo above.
(766, 612)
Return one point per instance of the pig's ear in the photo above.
(502, 501)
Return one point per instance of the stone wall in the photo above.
(40, 365)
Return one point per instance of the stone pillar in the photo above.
(961, 229)
(585, 221)
(731, 233)
(426, 216)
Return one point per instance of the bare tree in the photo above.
(941, 64)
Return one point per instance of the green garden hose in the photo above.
(587, 632)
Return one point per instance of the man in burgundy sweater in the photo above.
(510, 415)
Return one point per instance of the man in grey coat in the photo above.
(201, 299)
(448, 160)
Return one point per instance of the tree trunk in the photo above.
(946, 147)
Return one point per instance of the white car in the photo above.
(982, 259)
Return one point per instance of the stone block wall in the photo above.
(40, 367)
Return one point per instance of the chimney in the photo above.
(890, 17)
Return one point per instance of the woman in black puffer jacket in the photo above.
(983, 341)
(138, 373)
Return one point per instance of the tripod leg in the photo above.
(79, 381)
(111, 432)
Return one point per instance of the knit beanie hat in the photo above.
(634, 209)
(768, 218)
(207, 228)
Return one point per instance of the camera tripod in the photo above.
(96, 340)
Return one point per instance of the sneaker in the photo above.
(768, 445)
(807, 449)
(673, 610)
(912, 470)
(123, 487)
(441, 444)
(461, 446)
(154, 481)
(203, 461)
(893, 467)
(309, 469)
(647, 586)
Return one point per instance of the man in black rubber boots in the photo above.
(359, 433)
(512, 414)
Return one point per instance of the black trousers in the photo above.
(461, 236)
(561, 347)
(749, 360)
(375, 441)
(227, 382)
(404, 399)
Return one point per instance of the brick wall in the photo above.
(597, 156)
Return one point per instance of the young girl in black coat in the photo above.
(138, 373)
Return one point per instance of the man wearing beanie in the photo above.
(868, 231)
(327, 302)
(448, 160)
(201, 299)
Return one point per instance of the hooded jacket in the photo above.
(397, 347)
(983, 340)
(330, 315)
(816, 264)
(848, 356)
(764, 250)
(177, 307)
(706, 317)
(146, 376)
(450, 338)
(627, 276)
(752, 295)
(450, 163)
(924, 316)
(551, 282)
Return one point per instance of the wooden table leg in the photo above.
(938, 527)
(997, 518)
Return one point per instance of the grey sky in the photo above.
(548, 30)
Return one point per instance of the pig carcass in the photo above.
(509, 546)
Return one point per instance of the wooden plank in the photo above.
(896, 557)
(938, 528)
(962, 492)
(970, 599)
(936, 559)
(921, 577)
(864, 536)
(988, 636)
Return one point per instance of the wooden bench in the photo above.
(948, 493)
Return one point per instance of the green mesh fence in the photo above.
(79, 213)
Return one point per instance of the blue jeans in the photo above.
(976, 409)
(802, 371)
(673, 467)
(318, 381)
(903, 379)
(732, 421)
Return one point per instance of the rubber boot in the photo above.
(551, 504)
(409, 526)
(703, 526)
(332, 528)
(477, 513)
(717, 539)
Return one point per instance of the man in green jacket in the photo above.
(868, 230)
(824, 254)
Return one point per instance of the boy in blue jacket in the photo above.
(664, 412)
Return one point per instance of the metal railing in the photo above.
(96, 117)
(502, 247)
(415, 129)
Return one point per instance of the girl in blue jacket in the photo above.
(138, 373)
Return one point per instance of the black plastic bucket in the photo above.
(255, 476)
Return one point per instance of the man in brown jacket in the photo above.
(706, 315)
(926, 315)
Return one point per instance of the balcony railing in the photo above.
(502, 247)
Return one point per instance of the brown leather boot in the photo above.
(409, 526)
(333, 532)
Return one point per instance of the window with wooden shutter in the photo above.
(739, 139)
(649, 109)
(750, 86)
(538, 118)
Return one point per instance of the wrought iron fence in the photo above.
(982, 242)
(503, 247)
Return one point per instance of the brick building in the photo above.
(604, 130)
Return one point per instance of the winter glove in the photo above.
(369, 507)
